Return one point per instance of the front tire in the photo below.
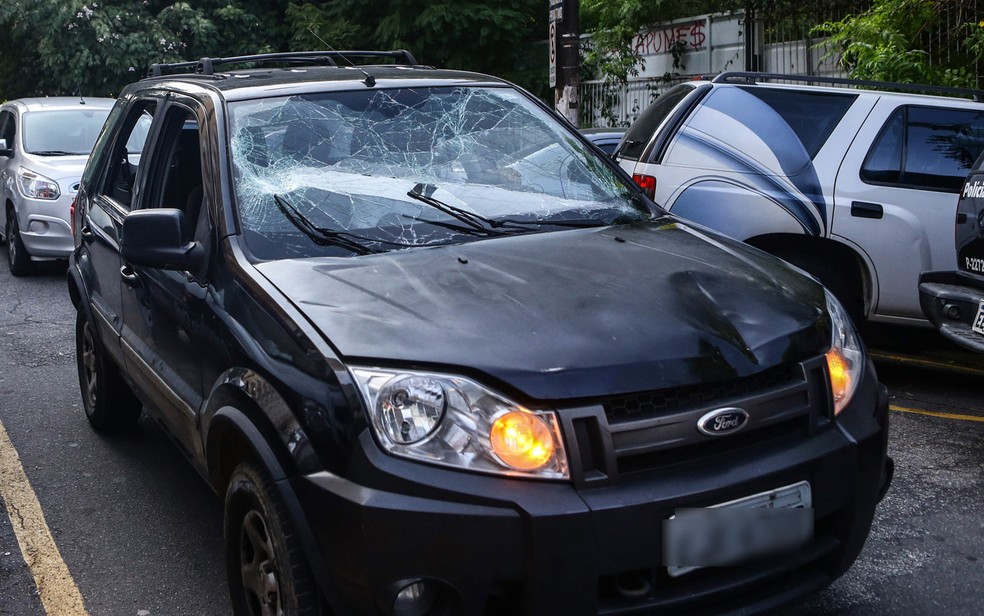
(17, 256)
(108, 401)
(267, 572)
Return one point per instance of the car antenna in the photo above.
(370, 80)
(79, 90)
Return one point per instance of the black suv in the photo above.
(441, 356)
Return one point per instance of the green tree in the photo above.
(96, 48)
(459, 34)
(891, 42)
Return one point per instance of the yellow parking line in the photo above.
(56, 588)
(926, 363)
(902, 409)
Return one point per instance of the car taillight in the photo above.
(71, 215)
(647, 183)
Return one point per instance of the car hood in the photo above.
(58, 168)
(568, 314)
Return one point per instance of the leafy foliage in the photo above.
(95, 47)
(460, 34)
(889, 42)
(98, 47)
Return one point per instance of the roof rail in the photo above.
(751, 77)
(206, 66)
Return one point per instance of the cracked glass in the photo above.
(374, 170)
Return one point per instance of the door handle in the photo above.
(861, 209)
(130, 277)
(86, 234)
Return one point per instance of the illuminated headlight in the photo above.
(453, 421)
(844, 359)
(36, 186)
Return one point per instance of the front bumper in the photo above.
(45, 228)
(502, 546)
(950, 301)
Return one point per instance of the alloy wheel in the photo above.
(258, 565)
(91, 372)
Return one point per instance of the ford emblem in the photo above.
(722, 421)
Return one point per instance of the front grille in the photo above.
(786, 432)
(656, 429)
(656, 403)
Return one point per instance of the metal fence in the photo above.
(606, 104)
(782, 40)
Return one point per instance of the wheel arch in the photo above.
(238, 431)
(838, 256)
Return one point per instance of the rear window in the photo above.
(649, 120)
(926, 148)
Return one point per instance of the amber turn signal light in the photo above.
(840, 375)
(522, 440)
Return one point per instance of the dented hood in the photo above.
(568, 314)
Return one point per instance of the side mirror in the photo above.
(4, 149)
(153, 238)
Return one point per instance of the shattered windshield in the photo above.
(347, 173)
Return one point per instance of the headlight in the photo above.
(844, 359)
(36, 186)
(453, 421)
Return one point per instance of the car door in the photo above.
(107, 195)
(896, 194)
(162, 309)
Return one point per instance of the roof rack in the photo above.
(752, 77)
(206, 66)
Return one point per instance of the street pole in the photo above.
(565, 57)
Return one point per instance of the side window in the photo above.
(126, 155)
(979, 165)
(926, 148)
(811, 116)
(8, 126)
(176, 180)
(884, 162)
(759, 130)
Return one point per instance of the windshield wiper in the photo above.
(478, 223)
(482, 225)
(55, 153)
(576, 224)
(320, 235)
(450, 226)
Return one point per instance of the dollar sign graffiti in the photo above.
(697, 36)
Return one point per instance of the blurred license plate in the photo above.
(979, 319)
(729, 533)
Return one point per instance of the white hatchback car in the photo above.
(44, 145)
(855, 185)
